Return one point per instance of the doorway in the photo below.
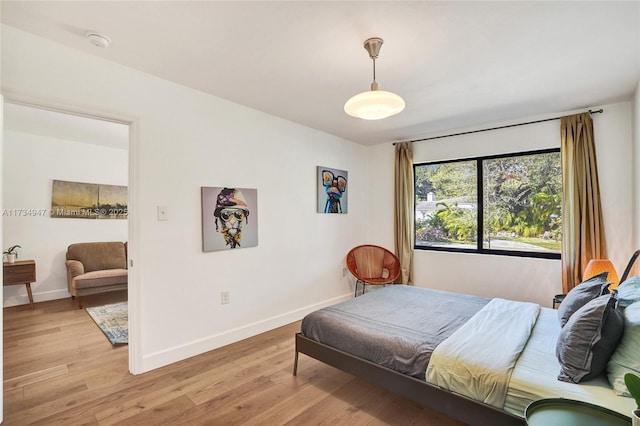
(42, 145)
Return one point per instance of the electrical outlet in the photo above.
(344, 272)
(224, 297)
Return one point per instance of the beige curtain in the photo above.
(582, 224)
(403, 218)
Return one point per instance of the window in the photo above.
(513, 201)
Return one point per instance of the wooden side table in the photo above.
(20, 272)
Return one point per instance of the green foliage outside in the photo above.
(522, 201)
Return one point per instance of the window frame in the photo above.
(480, 209)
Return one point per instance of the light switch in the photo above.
(163, 213)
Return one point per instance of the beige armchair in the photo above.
(94, 268)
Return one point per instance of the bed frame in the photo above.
(457, 406)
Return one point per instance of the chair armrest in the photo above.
(74, 268)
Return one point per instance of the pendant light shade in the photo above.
(374, 104)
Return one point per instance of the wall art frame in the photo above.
(80, 200)
(332, 194)
(229, 218)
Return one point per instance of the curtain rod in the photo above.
(497, 128)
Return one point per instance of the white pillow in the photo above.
(626, 357)
(628, 292)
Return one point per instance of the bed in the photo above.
(389, 337)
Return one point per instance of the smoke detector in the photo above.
(98, 39)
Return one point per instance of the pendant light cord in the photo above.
(374, 83)
(374, 69)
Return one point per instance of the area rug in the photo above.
(113, 320)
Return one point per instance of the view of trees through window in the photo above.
(520, 208)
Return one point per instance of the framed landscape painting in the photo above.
(81, 200)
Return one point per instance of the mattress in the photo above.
(397, 326)
(535, 374)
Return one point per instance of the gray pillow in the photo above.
(588, 340)
(581, 294)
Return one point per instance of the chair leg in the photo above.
(79, 302)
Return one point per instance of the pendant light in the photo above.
(374, 104)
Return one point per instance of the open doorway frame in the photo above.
(134, 271)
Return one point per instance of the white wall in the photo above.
(30, 163)
(184, 139)
(380, 210)
(1, 233)
(516, 278)
(614, 147)
(636, 168)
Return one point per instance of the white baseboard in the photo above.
(178, 353)
(37, 297)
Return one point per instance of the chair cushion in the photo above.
(100, 278)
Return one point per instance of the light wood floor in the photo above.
(60, 369)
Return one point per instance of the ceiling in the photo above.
(65, 127)
(456, 64)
